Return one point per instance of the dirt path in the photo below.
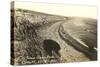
(68, 53)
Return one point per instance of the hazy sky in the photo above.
(60, 9)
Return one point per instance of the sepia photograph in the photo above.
(47, 33)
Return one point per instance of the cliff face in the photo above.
(31, 29)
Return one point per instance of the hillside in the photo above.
(32, 28)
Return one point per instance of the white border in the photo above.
(5, 33)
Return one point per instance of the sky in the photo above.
(59, 9)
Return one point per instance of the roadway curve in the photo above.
(31, 34)
(68, 52)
